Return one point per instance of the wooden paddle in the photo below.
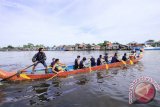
(55, 74)
(19, 72)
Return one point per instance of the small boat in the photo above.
(27, 76)
(149, 47)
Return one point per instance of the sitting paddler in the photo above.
(140, 54)
(53, 61)
(82, 63)
(58, 67)
(99, 60)
(115, 58)
(93, 61)
(124, 58)
(39, 57)
(106, 58)
(133, 55)
(77, 62)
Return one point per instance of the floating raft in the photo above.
(27, 76)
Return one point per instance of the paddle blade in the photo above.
(24, 76)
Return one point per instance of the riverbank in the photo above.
(6, 50)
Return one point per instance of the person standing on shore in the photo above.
(39, 57)
(77, 62)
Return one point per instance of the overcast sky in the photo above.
(56, 22)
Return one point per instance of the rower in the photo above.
(106, 58)
(140, 54)
(93, 61)
(53, 61)
(39, 57)
(99, 60)
(82, 63)
(77, 62)
(124, 58)
(115, 58)
(57, 67)
(133, 55)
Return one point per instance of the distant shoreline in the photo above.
(13, 50)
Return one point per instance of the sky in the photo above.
(58, 22)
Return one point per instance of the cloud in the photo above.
(56, 22)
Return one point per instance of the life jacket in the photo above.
(114, 59)
(124, 58)
(39, 57)
(76, 65)
(58, 68)
(106, 58)
(81, 64)
(99, 61)
(93, 62)
(52, 64)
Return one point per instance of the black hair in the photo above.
(115, 54)
(132, 51)
(106, 53)
(100, 56)
(56, 60)
(78, 56)
(125, 54)
(84, 58)
(40, 49)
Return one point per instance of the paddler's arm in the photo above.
(62, 64)
(53, 69)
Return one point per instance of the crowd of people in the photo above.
(79, 63)
(83, 63)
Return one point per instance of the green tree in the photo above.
(105, 44)
(150, 40)
(88, 46)
(10, 47)
(30, 45)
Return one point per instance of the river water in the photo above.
(95, 89)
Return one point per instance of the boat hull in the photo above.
(25, 76)
(152, 48)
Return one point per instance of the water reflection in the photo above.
(56, 82)
(46, 91)
(100, 77)
(1, 96)
(82, 80)
(41, 92)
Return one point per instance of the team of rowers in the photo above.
(40, 57)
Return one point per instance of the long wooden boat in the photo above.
(27, 76)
